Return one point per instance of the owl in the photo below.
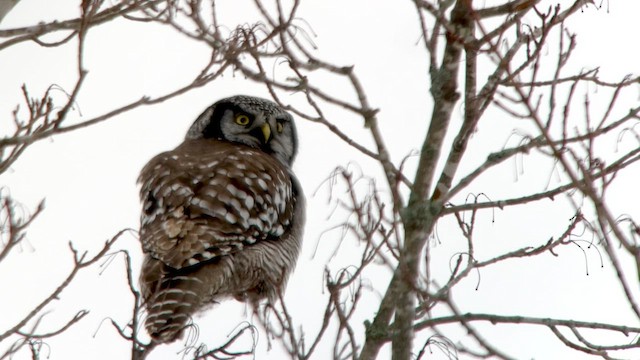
(222, 214)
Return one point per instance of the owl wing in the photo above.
(208, 198)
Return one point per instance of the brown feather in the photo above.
(217, 222)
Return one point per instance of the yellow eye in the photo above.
(242, 119)
(279, 126)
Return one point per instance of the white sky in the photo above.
(88, 177)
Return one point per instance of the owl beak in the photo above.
(266, 131)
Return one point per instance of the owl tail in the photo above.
(170, 309)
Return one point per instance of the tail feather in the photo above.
(171, 297)
(171, 307)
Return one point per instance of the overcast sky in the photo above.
(88, 178)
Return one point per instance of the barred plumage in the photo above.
(222, 214)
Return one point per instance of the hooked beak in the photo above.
(266, 131)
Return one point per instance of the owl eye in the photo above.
(279, 126)
(242, 119)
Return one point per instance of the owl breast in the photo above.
(210, 198)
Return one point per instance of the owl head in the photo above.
(252, 121)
